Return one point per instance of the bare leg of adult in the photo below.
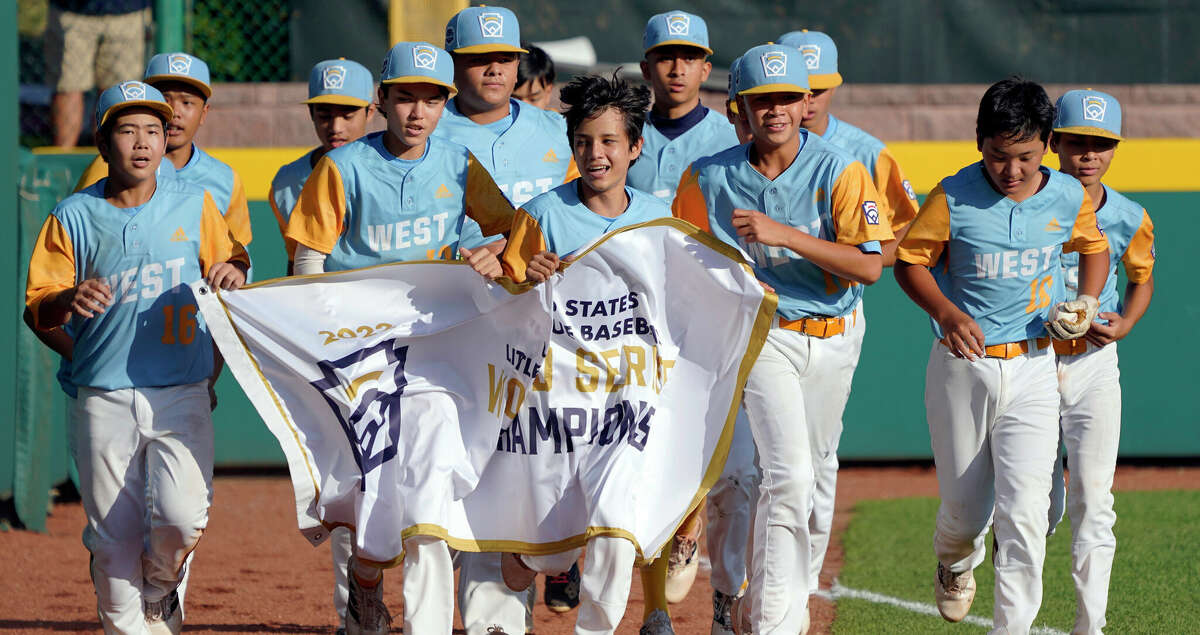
(66, 114)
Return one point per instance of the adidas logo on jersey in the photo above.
(442, 192)
(179, 236)
(1053, 225)
(550, 157)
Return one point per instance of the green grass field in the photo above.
(1155, 583)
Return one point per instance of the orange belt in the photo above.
(1011, 349)
(818, 327)
(1070, 347)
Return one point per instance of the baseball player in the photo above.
(535, 77)
(393, 196)
(604, 122)
(1087, 129)
(525, 149)
(982, 259)
(184, 82)
(114, 261)
(806, 215)
(897, 202)
(339, 103)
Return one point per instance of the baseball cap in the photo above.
(676, 28)
(733, 68)
(340, 81)
(1088, 112)
(484, 29)
(128, 95)
(770, 68)
(820, 57)
(179, 67)
(418, 63)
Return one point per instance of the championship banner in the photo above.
(416, 398)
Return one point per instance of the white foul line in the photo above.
(840, 591)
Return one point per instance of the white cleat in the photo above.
(954, 593)
(163, 617)
(659, 623)
(366, 613)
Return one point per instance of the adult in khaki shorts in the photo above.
(90, 43)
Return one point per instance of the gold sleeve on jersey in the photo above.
(51, 268)
(317, 220)
(96, 170)
(854, 198)
(217, 240)
(929, 232)
(484, 202)
(689, 203)
(525, 241)
(1086, 237)
(572, 171)
(1139, 256)
(890, 181)
(238, 214)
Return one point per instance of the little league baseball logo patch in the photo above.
(180, 64)
(333, 77)
(424, 57)
(908, 190)
(1094, 108)
(133, 90)
(871, 211)
(677, 24)
(491, 24)
(812, 56)
(775, 64)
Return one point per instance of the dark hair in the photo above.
(104, 134)
(590, 95)
(1016, 109)
(535, 65)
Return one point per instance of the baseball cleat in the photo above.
(163, 617)
(562, 591)
(682, 566)
(659, 623)
(954, 592)
(722, 623)
(517, 576)
(366, 614)
(739, 615)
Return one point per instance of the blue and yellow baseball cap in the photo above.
(733, 69)
(770, 68)
(128, 95)
(820, 57)
(418, 63)
(341, 81)
(484, 29)
(676, 28)
(179, 67)
(1088, 112)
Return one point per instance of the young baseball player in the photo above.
(806, 215)
(393, 196)
(535, 77)
(898, 203)
(184, 82)
(114, 262)
(982, 259)
(339, 103)
(679, 129)
(604, 121)
(1087, 129)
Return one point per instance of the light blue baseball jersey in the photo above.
(529, 157)
(823, 193)
(285, 193)
(152, 334)
(996, 259)
(894, 189)
(364, 206)
(1130, 237)
(663, 160)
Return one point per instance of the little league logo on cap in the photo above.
(770, 69)
(132, 90)
(425, 56)
(127, 95)
(676, 28)
(180, 63)
(677, 24)
(342, 82)
(820, 57)
(774, 63)
(1088, 112)
(179, 67)
(418, 63)
(1094, 107)
(333, 77)
(491, 24)
(484, 30)
(812, 56)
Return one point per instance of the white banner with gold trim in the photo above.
(412, 398)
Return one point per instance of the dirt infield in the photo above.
(253, 572)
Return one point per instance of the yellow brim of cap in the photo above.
(1091, 131)
(339, 100)
(204, 88)
(775, 88)
(420, 79)
(825, 80)
(679, 43)
(158, 106)
(732, 105)
(490, 48)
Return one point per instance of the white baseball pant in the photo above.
(341, 546)
(604, 581)
(428, 586)
(1090, 420)
(787, 392)
(729, 505)
(144, 457)
(993, 424)
(483, 599)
